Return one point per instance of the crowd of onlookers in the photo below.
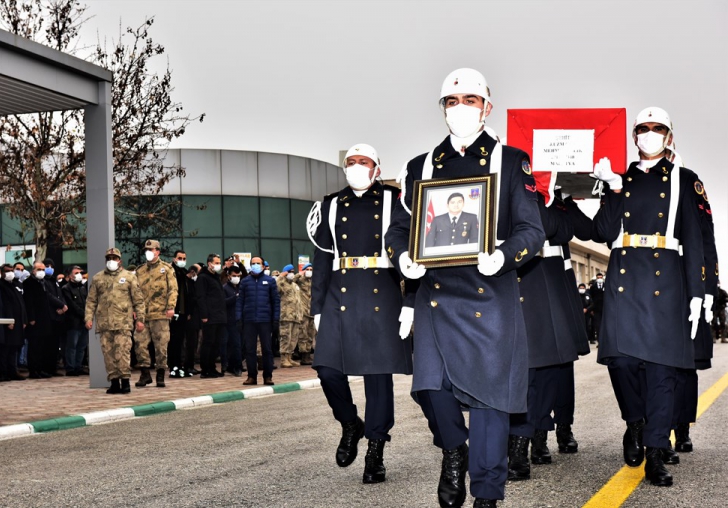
(49, 336)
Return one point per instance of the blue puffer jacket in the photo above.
(258, 300)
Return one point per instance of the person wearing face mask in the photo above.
(11, 294)
(41, 349)
(357, 304)
(159, 285)
(178, 324)
(231, 354)
(266, 269)
(596, 290)
(459, 304)
(258, 311)
(194, 324)
(58, 316)
(308, 329)
(75, 294)
(587, 304)
(115, 301)
(213, 314)
(653, 297)
(291, 315)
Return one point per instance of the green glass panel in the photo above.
(251, 245)
(275, 218)
(197, 249)
(202, 216)
(75, 257)
(240, 216)
(12, 231)
(299, 214)
(276, 252)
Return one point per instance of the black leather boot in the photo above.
(634, 452)
(160, 378)
(451, 489)
(484, 503)
(115, 387)
(518, 466)
(374, 470)
(682, 438)
(669, 456)
(144, 379)
(565, 439)
(351, 433)
(655, 470)
(125, 388)
(540, 453)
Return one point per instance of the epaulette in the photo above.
(391, 188)
(329, 197)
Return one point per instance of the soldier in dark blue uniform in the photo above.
(356, 302)
(455, 227)
(470, 337)
(554, 329)
(653, 294)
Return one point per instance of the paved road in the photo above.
(278, 451)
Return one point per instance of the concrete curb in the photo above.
(127, 413)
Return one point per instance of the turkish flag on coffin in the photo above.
(609, 127)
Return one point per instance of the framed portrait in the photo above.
(453, 219)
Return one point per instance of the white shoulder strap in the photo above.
(674, 200)
(332, 226)
(427, 168)
(386, 217)
(496, 165)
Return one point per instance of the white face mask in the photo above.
(600, 282)
(180, 263)
(357, 176)
(83, 281)
(235, 280)
(266, 272)
(217, 268)
(194, 279)
(149, 255)
(77, 278)
(9, 276)
(112, 265)
(289, 276)
(40, 274)
(463, 121)
(582, 291)
(650, 143)
(308, 273)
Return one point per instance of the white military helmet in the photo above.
(654, 115)
(365, 150)
(465, 81)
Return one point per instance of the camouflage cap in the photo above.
(113, 251)
(152, 244)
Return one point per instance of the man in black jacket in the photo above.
(231, 353)
(596, 290)
(41, 353)
(211, 304)
(74, 293)
(11, 292)
(58, 318)
(178, 323)
(587, 304)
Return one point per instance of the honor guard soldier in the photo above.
(115, 300)
(159, 286)
(470, 336)
(653, 295)
(556, 337)
(356, 301)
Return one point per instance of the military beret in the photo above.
(152, 244)
(287, 268)
(113, 251)
(307, 265)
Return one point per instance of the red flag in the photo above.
(430, 216)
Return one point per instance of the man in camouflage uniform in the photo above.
(291, 315)
(307, 333)
(115, 298)
(159, 286)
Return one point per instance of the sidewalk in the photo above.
(42, 399)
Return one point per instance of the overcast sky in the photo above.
(312, 78)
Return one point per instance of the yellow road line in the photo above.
(616, 491)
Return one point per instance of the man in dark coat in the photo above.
(596, 290)
(211, 303)
(259, 309)
(356, 302)
(587, 304)
(470, 336)
(58, 316)
(232, 352)
(193, 323)
(655, 288)
(178, 324)
(42, 350)
(454, 227)
(13, 306)
(75, 293)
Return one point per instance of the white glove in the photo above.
(489, 264)
(708, 306)
(694, 317)
(603, 171)
(410, 269)
(317, 321)
(406, 317)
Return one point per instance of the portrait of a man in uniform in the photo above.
(456, 227)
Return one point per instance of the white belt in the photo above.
(551, 251)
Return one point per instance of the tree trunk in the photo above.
(41, 242)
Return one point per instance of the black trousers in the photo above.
(9, 360)
(379, 393)
(542, 394)
(251, 333)
(192, 337)
(686, 397)
(565, 395)
(176, 341)
(211, 336)
(42, 351)
(488, 463)
(596, 326)
(645, 390)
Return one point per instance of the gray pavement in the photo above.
(278, 451)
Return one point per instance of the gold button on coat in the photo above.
(626, 214)
(521, 298)
(627, 194)
(662, 194)
(656, 254)
(629, 178)
(624, 252)
(657, 293)
(622, 270)
(660, 215)
(664, 178)
(343, 308)
(376, 309)
(482, 162)
(347, 204)
(480, 290)
(344, 219)
(343, 271)
(657, 273)
(621, 289)
(477, 314)
(376, 202)
(344, 236)
(376, 236)
(343, 254)
(343, 290)
(376, 216)
(437, 285)
(376, 272)
(376, 291)
(433, 303)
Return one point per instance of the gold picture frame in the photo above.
(453, 219)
